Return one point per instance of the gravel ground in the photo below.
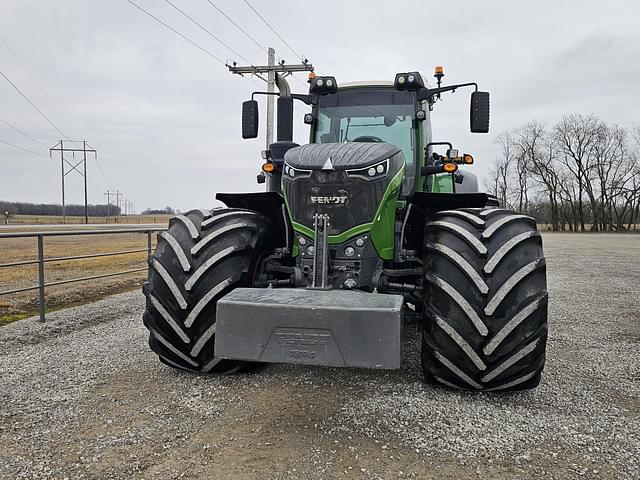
(82, 397)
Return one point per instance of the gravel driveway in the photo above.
(83, 397)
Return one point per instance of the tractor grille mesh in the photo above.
(347, 201)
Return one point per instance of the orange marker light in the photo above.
(439, 70)
(467, 159)
(450, 167)
(312, 75)
(268, 167)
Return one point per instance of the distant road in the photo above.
(81, 226)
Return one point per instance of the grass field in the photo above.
(54, 219)
(20, 305)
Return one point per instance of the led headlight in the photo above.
(408, 81)
(372, 172)
(323, 85)
(295, 173)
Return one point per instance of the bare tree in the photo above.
(576, 137)
(581, 171)
(611, 169)
(543, 166)
(522, 170)
(500, 173)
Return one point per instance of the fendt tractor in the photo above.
(368, 230)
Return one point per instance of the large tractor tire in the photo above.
(485, 306)
(198, 260)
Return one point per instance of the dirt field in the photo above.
(83, 397)
(16, 306)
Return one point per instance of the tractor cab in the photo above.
(373, 113)
(395, 112)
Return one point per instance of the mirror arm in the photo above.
(428, 93)
(296, 96)
(427, 158)
(263, 93)
(306, 99)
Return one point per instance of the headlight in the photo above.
(323, 85)
(373, 172)
(294, 173)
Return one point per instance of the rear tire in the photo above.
(198, 260)
(485, 309)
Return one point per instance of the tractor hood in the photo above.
(338, 156)
(350, 182)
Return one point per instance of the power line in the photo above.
(177, 33)
(24, 149)
(26, 70)
(238, 27)
(102, 172)
(207, 31)
(9, 107)
(23, 133)
(273, 29)
(100, 166)
(34, 107)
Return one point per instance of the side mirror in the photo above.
(250, 119)
(479, 115)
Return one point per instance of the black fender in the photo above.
(269, 204)
(421, 206)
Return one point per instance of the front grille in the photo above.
(347, 201)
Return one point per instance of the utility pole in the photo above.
(59, 147)
(84, 160)
(274, 72)
(108, 195)
(271, 86)
(118, 202)
(64, 208)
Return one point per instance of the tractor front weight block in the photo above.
(336, 328)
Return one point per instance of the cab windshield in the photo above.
(369, 115)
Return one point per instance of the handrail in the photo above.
(75, 257)
(42, 260)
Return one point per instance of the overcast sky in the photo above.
(165, 117)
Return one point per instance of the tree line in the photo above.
(23, 208)
(580, 174)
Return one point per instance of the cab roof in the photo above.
(366, 83)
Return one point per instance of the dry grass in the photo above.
(53, 219)
(20, 305)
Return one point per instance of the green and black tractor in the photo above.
(359, 233)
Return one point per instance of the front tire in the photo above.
(201, 257)
(485, 315)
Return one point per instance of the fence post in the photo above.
(148, 243)
(41, 276)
